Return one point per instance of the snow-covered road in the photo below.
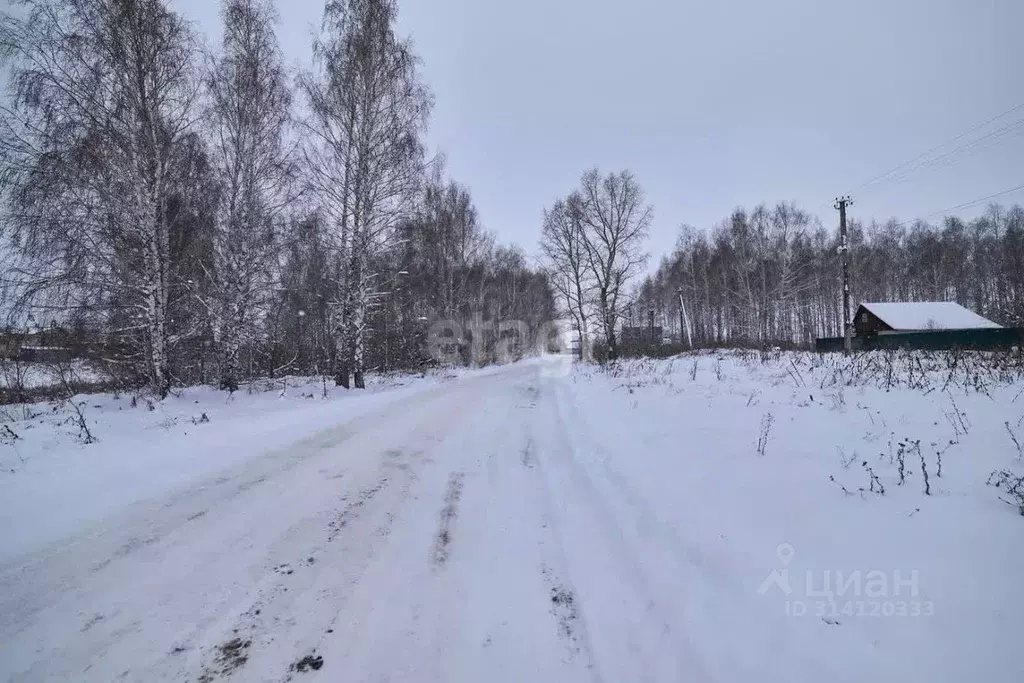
(474, 531)
(415, 543)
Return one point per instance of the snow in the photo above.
(40, 375)
(928, 315)
(48, 476)
(537, 521)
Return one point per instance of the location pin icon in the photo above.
(785, 553)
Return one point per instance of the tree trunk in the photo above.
(229, 362)
(358, 341)
(160, 376)
(613, 345)
(156, 305)
(342, 368)
(342, 349)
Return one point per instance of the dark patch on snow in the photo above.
(254, 611)
(527, 454)
(197, 515)
(231, 655)
(97, 618)
(448, 514)
(563, 608)
(234, 653)
(283, 569)
(246, 485)
(399, 459)
(352, 510)
(307, 663)
(531, 393)
(134, 544)
(394, 458)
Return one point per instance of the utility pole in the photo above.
(844, 251)
(683, 327)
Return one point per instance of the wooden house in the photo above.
(916, 316)
(934, 325)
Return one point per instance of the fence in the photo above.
(933, 340)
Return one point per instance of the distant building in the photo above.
(931, 325)
(917, 316)
(641, 336)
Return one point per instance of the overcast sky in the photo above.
(712, 104)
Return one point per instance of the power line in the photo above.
(971, 203)
(939, 146)
(997, 133)
(965, 205)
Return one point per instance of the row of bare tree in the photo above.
(177, 207)
(772, 275)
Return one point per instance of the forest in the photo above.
(191, 214)
(206, 215)
(772, 275)
(767, 276)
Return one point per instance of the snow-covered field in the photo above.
(714, 517)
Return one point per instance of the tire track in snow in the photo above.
(308, 589)
(353, 508)
(716, 571)
(404, 622)
(448, 514)
(565, 611)
(694, 585)
(656, 645)
(215, 565)
(519, 619)
(487, 615)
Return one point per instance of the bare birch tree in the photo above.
(102, 93)
(562, 242)
(369, 109)
(249, 109)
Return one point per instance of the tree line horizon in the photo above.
(213, 216)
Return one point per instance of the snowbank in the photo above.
(803, 478)
(53, 483)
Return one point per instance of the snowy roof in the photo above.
(928, 315)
